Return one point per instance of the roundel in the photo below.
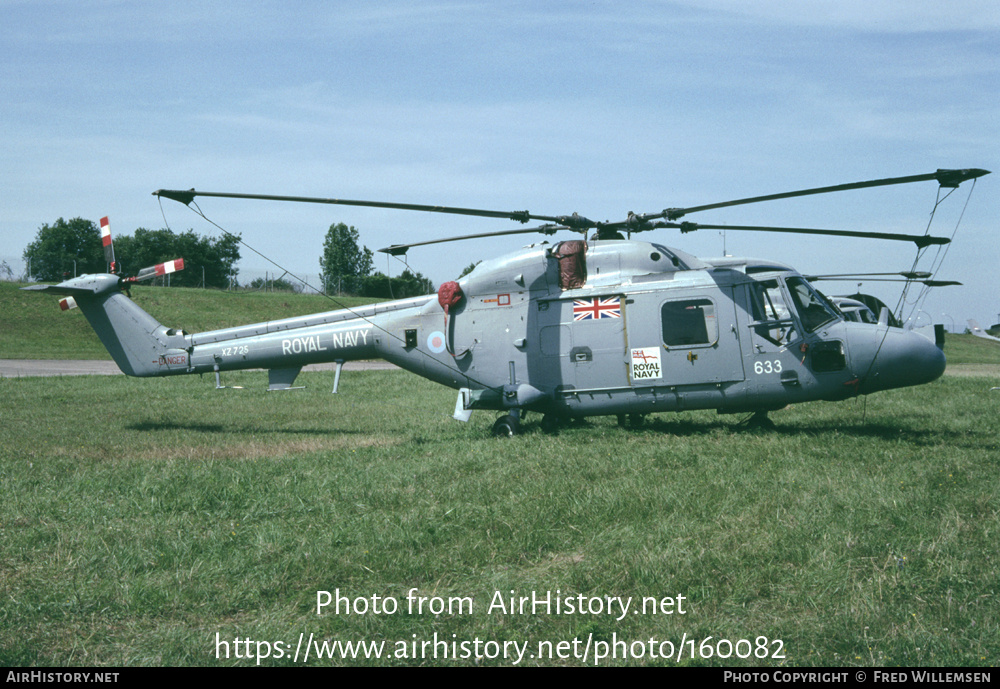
(435, 342)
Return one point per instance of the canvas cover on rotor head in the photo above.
(572, 263)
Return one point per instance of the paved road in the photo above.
(23, 368)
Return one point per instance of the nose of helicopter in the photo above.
(899, 359)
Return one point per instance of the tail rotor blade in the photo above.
(160, 269)
(109, 247)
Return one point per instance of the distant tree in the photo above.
(274, 285)
(57, 246)
(344, 263)
(144, 248)
(217, 255)
(406, 285)
(208, 261)
(468, 269)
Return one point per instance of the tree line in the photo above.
(346, 267)
(67, 248)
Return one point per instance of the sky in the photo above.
(599, 108)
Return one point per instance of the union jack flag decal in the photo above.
(588, 309)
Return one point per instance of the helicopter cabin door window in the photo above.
(690, 322)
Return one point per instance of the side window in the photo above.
(769, 310)
(768, 304)
(689, 322)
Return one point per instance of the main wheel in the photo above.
(631, 420)
(506, 427)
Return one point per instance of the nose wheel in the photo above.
(506, 426)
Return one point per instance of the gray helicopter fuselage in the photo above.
(643, 328)
(654, 329)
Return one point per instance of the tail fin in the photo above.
(138, 343)
(979, 332)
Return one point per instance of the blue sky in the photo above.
(555, 107)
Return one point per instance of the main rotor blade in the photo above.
(186, 197)
(929, 283)
(920, 240)
(909, 275)
(634, 223)
(400, 249)
(946, 178)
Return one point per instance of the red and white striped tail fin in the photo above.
(67, 303)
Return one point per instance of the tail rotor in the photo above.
(148, 273)
(124, 282)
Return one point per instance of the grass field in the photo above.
(155, 522)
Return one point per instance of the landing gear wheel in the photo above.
(506, 427)
(631, 420)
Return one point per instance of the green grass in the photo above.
(140, 518)
(969, 349)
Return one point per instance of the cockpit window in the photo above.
(813, 308)
(867, 316)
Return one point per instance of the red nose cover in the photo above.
(449, 294)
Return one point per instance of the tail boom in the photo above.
(143, 347)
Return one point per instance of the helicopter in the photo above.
(605, 325)
(978, 331)
(854, 310)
